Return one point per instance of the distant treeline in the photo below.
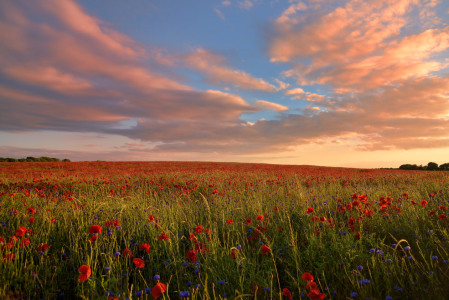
(31, 159)
(431, 166)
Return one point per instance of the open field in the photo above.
(196, 230)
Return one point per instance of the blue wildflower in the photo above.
(184, 294)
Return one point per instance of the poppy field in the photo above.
(202, 230)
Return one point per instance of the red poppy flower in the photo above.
(24, 243)
(311, 285)
(259, 218)
(151, 218)
(307, 276)
(8, 257)
(31, 210)
(199, 229)
(192, 237)
(93, 238)
(424, 203)
(229, 221)
(286, 292)
(191, 254)
(138, 262)
(85, 273)
(31, 220)
(248, 221)
(20, 232)
(43, 247)
(442, 207)
(95, 229)
(158, 290)
(233, 253)
(127, 253)
(163, 236)
(201, 247)
(145, 247)
(309, 210)
(265, 249)
(442, 216)
(315, 294)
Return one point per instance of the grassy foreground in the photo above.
(169, 230)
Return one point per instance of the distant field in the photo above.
(198, 230)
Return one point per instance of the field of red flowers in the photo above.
(200, 230)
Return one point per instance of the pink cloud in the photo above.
(245, 4)
(271, 106)
(48, 76)
(291, 10)
(76, 20)
(359, 45)
(89, 77)
(215, 70)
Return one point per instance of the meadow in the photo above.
(199, 230)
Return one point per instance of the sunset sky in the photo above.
(320, 82)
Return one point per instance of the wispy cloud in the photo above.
(219, 13)
(214, 67)
(271, 105)
(245, 4)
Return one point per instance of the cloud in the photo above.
(345, 48)
(300, 94)
(282, 85)
(271, 106)
(59, 73)
(390, 119)
(49, 77)
(291, 10)
(297, 92)
(245, 4)
(213, 66)
(219, 13)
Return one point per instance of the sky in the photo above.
(347, 83)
